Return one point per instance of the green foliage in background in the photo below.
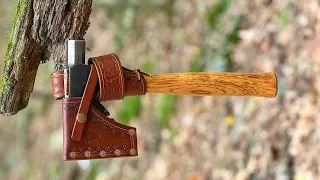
(283, 16)
(54, 168)
(224, 32)
(165, 108)
(196, 65)
(93, 171)
(215, 13)
(222, 61)
(148, 66)
(129, 109)
(211, 57)
(232, 36)
(125, 12)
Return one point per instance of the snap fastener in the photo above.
(81, 118)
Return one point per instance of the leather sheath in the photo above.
(102, 137)
(98, 136)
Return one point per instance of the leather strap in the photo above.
(58, 85)
(81, 117)
(134, 82)
(111, 78)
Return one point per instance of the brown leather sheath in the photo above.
(102, 137)
(87, 132)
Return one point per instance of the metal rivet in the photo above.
(87, 154)
(132, 132)
(82, 118)
(132, 152)
(117, 152)
(102, 153)
(72, 154)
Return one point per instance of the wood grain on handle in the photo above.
(214, 84)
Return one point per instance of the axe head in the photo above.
(75, 52)
(78, 70)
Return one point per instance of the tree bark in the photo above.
(41, 28)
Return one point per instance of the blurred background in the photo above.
(184, 137)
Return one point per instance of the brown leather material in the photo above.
(113, 83)
(58, 85)
(85, 104)
(87, 132)
(111, 80)
(135, 84)
(102, 137)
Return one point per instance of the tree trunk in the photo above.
(41, 28)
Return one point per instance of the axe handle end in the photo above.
(214, 84)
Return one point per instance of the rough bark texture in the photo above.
(40, 30)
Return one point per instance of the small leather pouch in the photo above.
(88, 132)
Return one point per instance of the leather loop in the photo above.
(85, 105)
(135, 84)
(58, 85)
(111, 80)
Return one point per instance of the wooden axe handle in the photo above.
(214, 84)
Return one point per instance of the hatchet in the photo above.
(89, 133)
